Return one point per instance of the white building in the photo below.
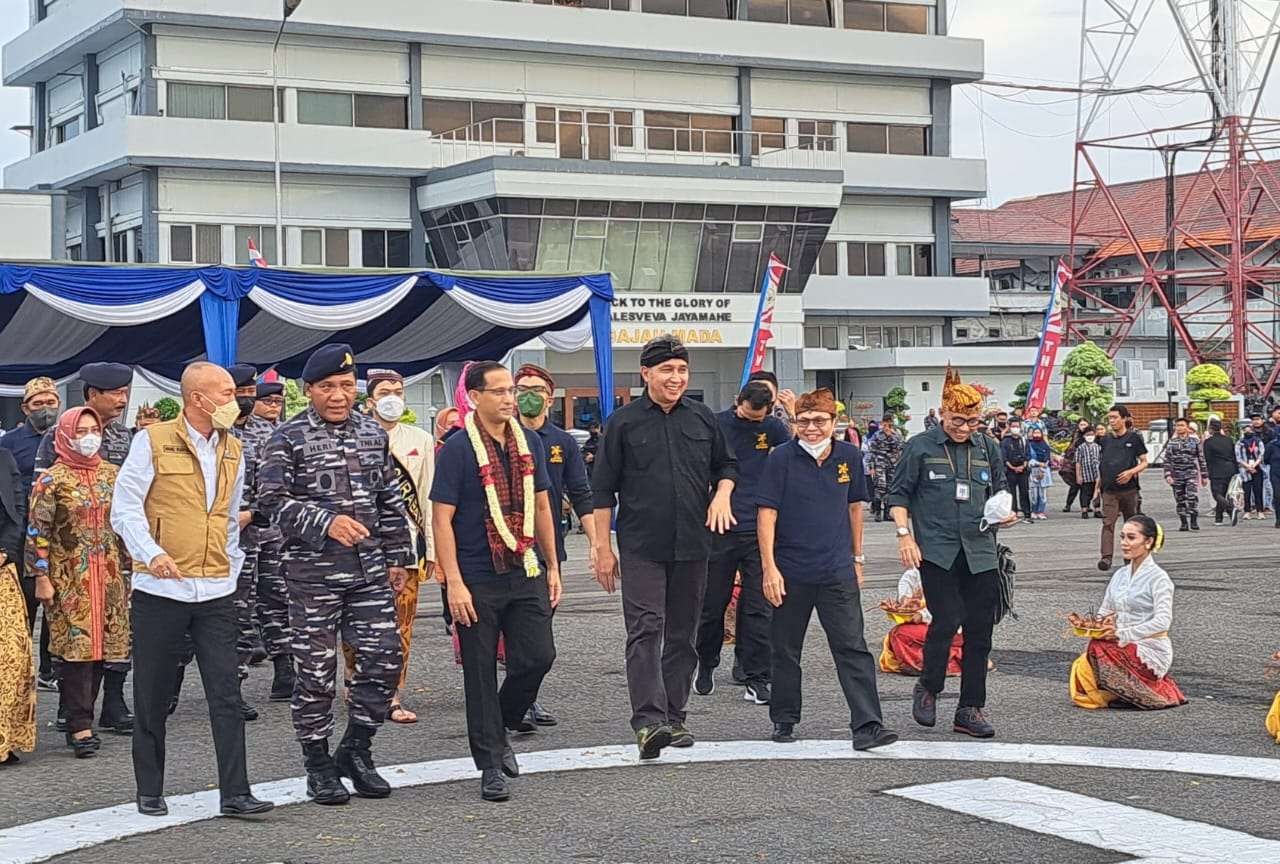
(675, 143)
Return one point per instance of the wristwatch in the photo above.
(903, 531)
(859, 559)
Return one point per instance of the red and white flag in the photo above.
(1050, 339)
(255, 257)
(762, 333)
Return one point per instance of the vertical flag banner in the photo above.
(762, 331)
(1050, 338)
(255, 257)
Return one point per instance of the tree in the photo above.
(895, 402)
(1206, 383)
(1083, 395)
(1020, 393)
(168, 408)
(294, 402)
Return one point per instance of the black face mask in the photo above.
(42, 419)
(246, 405)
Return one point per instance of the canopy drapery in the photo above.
(56, 317)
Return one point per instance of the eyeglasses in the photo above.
(817, 422)
(971, 422)
(534, 389)
(272, 401)
(499, 391)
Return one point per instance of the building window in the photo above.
(924, 336)
(264, 239)
(464, 120)
(915, 259)
(689, 133)
(893, 17)
(883, 138)
(195, 244)
(857, 337)
(768, 133)
(381, 112)
(695, 8)
(581, 133)
(816, 134)
(962, 332)
(993, 332)
(822, 337)
(325, 247)
(865, 259)
(74, 252)
(384, 248)
(325, 109)
(874, 338)
(828, 256)
(64, 132)
(122, 248)
(615, 5)
(813, 13)
(216, 102)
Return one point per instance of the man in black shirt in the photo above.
(658, 460)
(752, 433)
(1124, 457)
(1220, 460)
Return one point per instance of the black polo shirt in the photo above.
(1120, 453)
(457, 482)
(659, 467)
(567, 474)
(751, 443)
(813, 541)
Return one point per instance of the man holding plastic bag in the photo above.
(939, 502)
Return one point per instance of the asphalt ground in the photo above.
(1226, 625)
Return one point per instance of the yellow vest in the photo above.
(194, 538)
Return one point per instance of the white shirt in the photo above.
(129, 518)
(1143, 605)
(910, 585)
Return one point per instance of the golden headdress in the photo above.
(821, 401)
(957, 397)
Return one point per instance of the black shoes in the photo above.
(247, 711)
(651, 740)
(784, 733)
(323, 784)
(245, 805)
(510, 766)
(539, 716)
(152, 805)
(705, 683)
(1097, 514)
(116, 716)
(259, 654)
(680, 736)
(1104, 564)
(757, 693)
(1195, 523)
(970, 721)
(493, 786)
(873, 735)
(924, 706)
(84, 748)
(282, 679)
(523, 726)
(1084, 514)
(1183, 524)
(354, 760)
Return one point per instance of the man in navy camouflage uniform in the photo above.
(325, 480)
(1185, 471)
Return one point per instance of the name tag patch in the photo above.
(315, 448)
(934, 475)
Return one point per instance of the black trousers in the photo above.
(1073, 489)
(733, 554)
(1020, 489)
(839, 606)
(958, 598)
(1275, 495)
(1253, 492)
(1222, 504)
(519, 608)
(661, 606)
(79, 683)
(1086, 490)
(160, 630)
(34, 606)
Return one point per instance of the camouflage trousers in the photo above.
(1186, 493)
(272, 606)
(364, 615)
(246, 597)
(406, 612)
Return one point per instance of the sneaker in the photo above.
(705, 683)
(680, 736)
(924, 706)
(651, 740)
(873, 735)
(49, 684)
(969, 721)
(757, 693)
(784, 733)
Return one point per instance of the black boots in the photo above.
(1183, 526)
(354, 761)
(115, 713)
(323, 783)
(924, 706)
(1195, 524)
(282, 680)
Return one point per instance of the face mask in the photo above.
(1014, 430)
(1089, 438)
(245, 404)
(389, 407)
(530, 403)
(87, 445)
(43, 418)
(224, 416)
(815, 450)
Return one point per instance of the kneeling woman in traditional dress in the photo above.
(903, 651)
(1273, 716)
(1127, 665)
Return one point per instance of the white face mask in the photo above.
(87, 445)
(815, 450)
(1089, 438)
(389, 407)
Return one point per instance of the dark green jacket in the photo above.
(925, 483)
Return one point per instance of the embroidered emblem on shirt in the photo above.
(842, 472)
(762, 440)
(557, 454)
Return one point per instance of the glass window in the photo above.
(588, 245)
(857, 337)
(64, 132)
(827, 258)
(374, 248)
(812, 13)
(777, 240)
(625, 209)
(337, 247)
(711, 142)
(554, 241)
(620, 250)
(767, 10)
(875, 259)
(744, 267)
(901, 18)
(816, 134)
(813, 337)
(993, 332)
(906, 337)
(208, 244)
(624, 135)
(831, 338)
(905, 256)
(250, 103)
(865, 137)
(908, 140)
(861, 15)
(665, 7)
(263, 238)
(747, 231)
(545, 129)
(499, 121)
(711, 9)
(312, 247)
(381, 112)
(768, 133)
(74, 251)
(397, 248)
(660, 129)
(805, 246)
(924, 336)
(522, 242)
(682, 256)
(201, 101)
(866, 259)
(924, 259)
(857, 258)
(181, 244)
(891, 337)
(445, 115)
(324, 109)
(651, 254)
(713, 257)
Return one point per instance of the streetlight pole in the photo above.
(287, 9)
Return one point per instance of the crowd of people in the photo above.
(230, 535)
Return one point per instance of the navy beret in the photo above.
(106, 376)
(332, 359)
(269, 388)
(242, 374)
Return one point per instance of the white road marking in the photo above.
(1152, 838)
(47, 838)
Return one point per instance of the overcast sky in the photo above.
(1026, 137)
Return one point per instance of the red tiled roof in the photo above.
(1046, 219)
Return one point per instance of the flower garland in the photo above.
(523, 545)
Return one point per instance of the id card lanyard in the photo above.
(963, 487)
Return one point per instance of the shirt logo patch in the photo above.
(762, 440)
(984, 475)
(842, 472)
(557, 454)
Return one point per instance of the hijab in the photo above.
(64, 436)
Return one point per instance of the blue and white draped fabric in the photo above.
(55, 318)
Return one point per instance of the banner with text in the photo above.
(1050, 338)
